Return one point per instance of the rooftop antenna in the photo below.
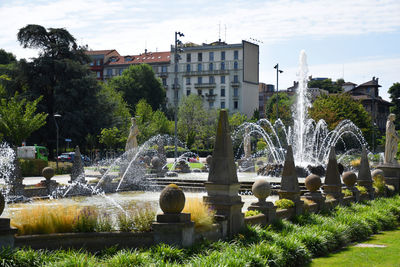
(219, 31)
(225, 33)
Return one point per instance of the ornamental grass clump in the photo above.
(200, 213)
(379, 185)
(136, 219)
(44, 218)
(86, 221)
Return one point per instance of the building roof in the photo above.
(149, 58)
(100, 52)
(373, 82)
(349, 83)
(368, 97)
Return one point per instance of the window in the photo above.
(211, 91)
(235, 92)
(120, 71)
(235, 65)
(176, 67)
(199, 67)
(98, 62)
(211, 56)
(188, 57)
(188, 92)
(163, 68)
(187, 80)
(199, 92)
(164, 81)
(222, 91)
(211, 79)
(223, 79)
(211, 66)
(235, 79)
(222, 104)
(98, 74)
(109, 72)
(222, 65)
(210, 104)
(199, 80)
(188, 67)
(236, 54)
(91, 63)
(235, 104)
(200, 57)
(222, 55)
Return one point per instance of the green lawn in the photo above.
(192, 165)
(367, 256)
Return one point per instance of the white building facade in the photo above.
(225, 75)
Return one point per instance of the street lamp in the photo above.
(55, 116)
(175, 87)
(277, 88)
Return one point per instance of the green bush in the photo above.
(284, 203)
(86, 220)
(249, 213)
(362, 189)
(32, 167)
(347, 192)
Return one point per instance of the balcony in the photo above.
(235, 84)
(205, 73)
(211, 97)
(163, 74)
(204, 85)
(175, 86)
(235, 97)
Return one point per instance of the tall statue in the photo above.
(391, 141)
(131, 143)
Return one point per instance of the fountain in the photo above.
(310, 140)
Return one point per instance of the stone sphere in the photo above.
(378, 173)
(313, 182)
(261, 189)
(2, 203)
(172, 199)
(48, 172)
(156, 162)
(209, 159)
(349, 178)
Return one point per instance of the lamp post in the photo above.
(176, 60)
(55, 116)
(277, 88)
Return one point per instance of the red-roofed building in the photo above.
(99, 58)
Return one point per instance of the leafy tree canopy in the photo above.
(137, 82)
(285, 103)
(18, 119)
(327, 84)
(335, 108)
(394, 92)
(6, 57)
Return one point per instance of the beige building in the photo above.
(225, 75)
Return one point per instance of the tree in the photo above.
(61, 75)
(18, 119)
(327, 84)
(191, 118)
(394, 92)
(6, 57)
(110, 137)
(235, 120)
(139, 82)
(335, 108)
(284, 108)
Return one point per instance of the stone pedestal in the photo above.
(174, 229)
(226, 202)
(316, 197)
(6, 233)
(266, 208)
(335, 191)
(392, 175)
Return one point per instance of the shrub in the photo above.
(362, 189)
(128, 258)
(200, 213)
(355, 163)
(32, 167)
(379, 185)
(104, 223)
(250, 213)
(347, 192)
(165, 253)
(284, 203)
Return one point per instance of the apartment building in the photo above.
(98, 59)
(225, 75)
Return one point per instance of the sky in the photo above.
(355, 40)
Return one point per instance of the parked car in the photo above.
(69, 157)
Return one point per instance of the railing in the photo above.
(205, 72)
(211, 97)
(235, 84)
(204, 85)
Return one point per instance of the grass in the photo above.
(192, 165)
(200, 213)
(136, 219)
(367, 256)
(284, 243)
